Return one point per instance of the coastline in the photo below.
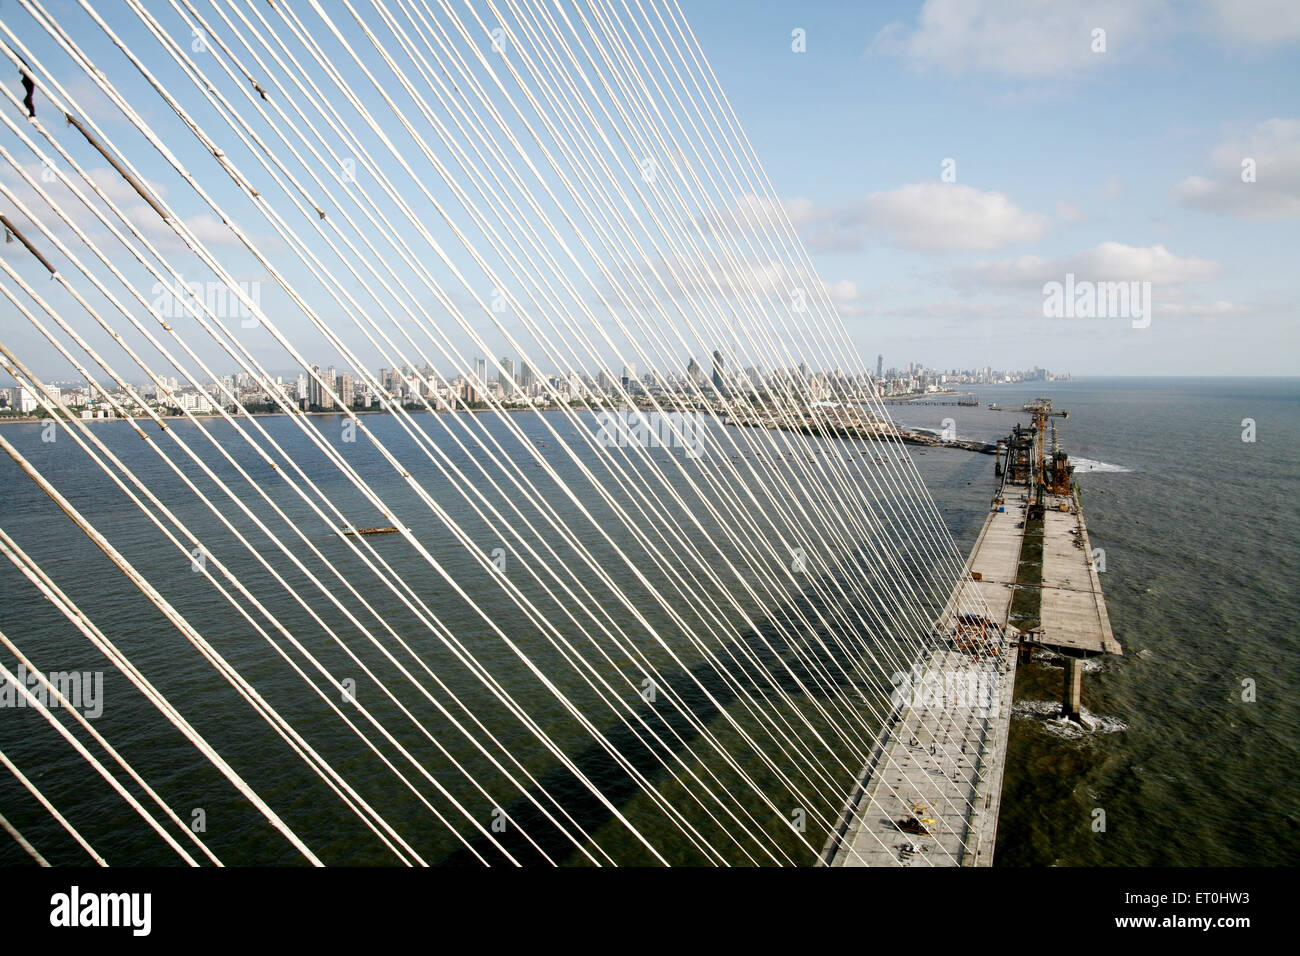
(37, 420)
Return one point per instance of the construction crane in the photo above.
(1057, 481)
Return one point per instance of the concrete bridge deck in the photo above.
(942, 754)
(940, 762)
(1073, 611)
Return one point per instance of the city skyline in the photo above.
(413, 387)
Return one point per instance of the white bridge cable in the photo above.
(786, 230)
(202, 431)
(784, 227)
(38, 705)
(399, 409)
(51, 591)
(22, 841)
(406, 852)
(155, 343)
(690, 168)
(714, 215)
(657, 408)
(669, 208)
(155, 598)
(123, 412)
(51, 809)
(57, 695)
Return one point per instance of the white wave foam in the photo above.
(1048, 713)
(1090, 665)
(1088, 466)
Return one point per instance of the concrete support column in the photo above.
(1072, 697)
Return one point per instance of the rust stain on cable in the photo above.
(135, 183)
(12, 230)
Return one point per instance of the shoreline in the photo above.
(205, 416)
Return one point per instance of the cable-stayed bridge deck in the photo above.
(940, 761)
(1073, 612)
(941, 756)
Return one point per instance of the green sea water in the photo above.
(1198, 528)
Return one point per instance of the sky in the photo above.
(944, 162)
(1115, 165)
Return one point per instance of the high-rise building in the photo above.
(343, 386)
(527, 375)
(507, 376)
(480, 373)
(318, 396)
(880, 366)
(24, 400)
(694, 372)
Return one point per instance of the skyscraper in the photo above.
(318, 395)
(880, 366)
(507, 376)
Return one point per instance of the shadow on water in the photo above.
(765, 664)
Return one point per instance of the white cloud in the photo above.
(850, 300)
(947, 216)
(845, 290)
(1106, 262)
(1070, 213)
(822, 227)
(1274, 146)
(210, 230)
(1010, 37)
(930, 216)
(1256, 22)
(1209, 311)
(1048, 38)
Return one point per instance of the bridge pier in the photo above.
(1072, 693)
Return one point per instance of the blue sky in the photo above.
(1087, 148)
(1114, 165)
